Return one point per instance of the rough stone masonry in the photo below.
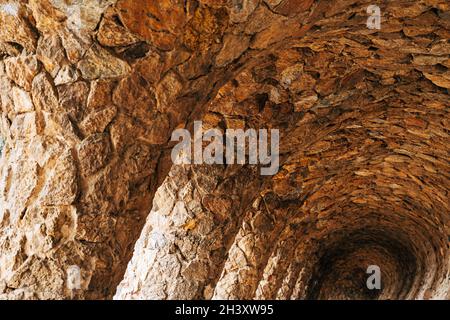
(90, 92)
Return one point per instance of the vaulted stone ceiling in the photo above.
(90, 92)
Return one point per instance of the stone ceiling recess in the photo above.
(91, 91)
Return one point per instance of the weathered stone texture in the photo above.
(90, 92)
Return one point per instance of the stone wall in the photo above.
(90, 92)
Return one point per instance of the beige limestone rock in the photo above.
(99, 64)
(90, 92)
(22, 70)
(22, 100)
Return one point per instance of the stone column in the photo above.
(90, 93)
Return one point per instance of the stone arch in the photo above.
(340, 196)
(88, 109)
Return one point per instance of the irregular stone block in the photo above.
(22, 70)
(99, 64)
(44, 94)
(22, 101)
(94, 153)
(61, 187)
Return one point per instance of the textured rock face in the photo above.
(90, 92)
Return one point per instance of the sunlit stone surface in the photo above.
(90, 92)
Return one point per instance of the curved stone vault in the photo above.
(91, 91)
